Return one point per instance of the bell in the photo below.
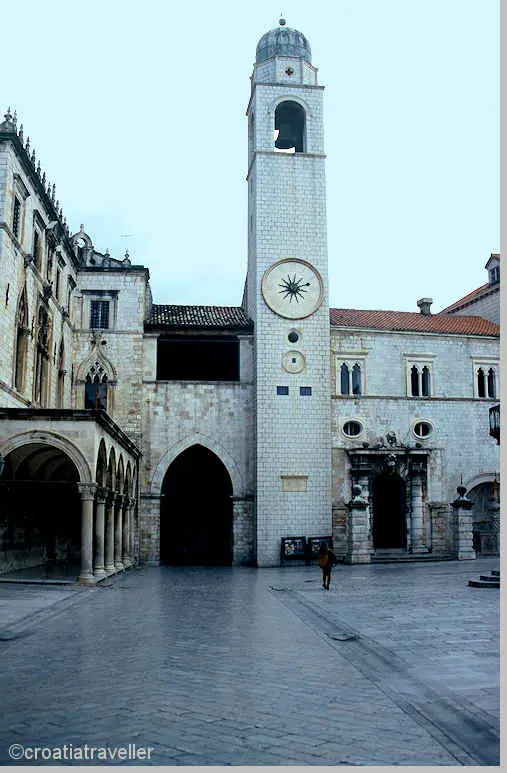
(286, 137)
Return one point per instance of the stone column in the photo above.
(110, 533)
(87, 492)
(464, 538)
(99, 569)
(132, 530)
(243, 531)
(118, 532)
(418, 540)
(127, 561)
(358, 531)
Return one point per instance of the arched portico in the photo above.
(40, 510)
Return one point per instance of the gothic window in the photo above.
(419, 378)
(21, 343)
(491, 383)
(60, 386)
(344, 379)
(289, 127)
(356, 380)
(49, 264)
(37, 249)
(99, 315)
(425, 382)
(42, 355)
(481, 383)
(485, 378)
(16, 217)
(414, 381)
(350, 375)
(96, 387)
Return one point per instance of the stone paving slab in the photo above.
(213, 667)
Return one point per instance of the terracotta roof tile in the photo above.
(413, 321)
(216, 317)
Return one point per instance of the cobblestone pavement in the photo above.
(395, 665)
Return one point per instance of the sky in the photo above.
(137, 114)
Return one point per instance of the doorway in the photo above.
(389, 504)
(196, 511)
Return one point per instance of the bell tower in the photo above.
(287, 293)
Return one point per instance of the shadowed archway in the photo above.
(196, 510)
(40, 508)
(389, 506)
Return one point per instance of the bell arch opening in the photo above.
(40, 509)
(196, 511)
(290, 127)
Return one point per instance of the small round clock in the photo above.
(292, 288)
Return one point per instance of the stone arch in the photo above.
(196, 512)
(482, 477)
(120, 475)
(111, 470)
(101, 466)
(51, 439)
(128, 481)
(41, 511)
(238, 484)
(289, 98)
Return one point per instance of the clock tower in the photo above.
(287, 294)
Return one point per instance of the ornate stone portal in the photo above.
(386, 512)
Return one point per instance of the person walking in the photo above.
(326, 561)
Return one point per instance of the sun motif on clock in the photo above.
(292, 288)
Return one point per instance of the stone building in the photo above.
(138, 432)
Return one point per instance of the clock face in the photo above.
(292, 288)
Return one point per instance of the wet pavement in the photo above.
(395, 665)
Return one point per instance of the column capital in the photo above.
(87, 490)
(101, 495)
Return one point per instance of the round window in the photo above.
(422, 429)
(352, 428)
(293, 337)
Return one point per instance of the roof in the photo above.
(470, 298)
(413, 321)
(216, 317)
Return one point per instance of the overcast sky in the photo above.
(137, 113)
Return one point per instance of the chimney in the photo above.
(425, 305)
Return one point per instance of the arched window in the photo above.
(414, 381)
(491, 383)
(21, 343)
(426, 381)
(96, 387)
(289, 127)
(356, 380)
(42, 355)
(481, 383)
(60, 386)
(344, 379)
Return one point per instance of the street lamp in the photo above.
(494, 422)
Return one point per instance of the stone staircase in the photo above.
(487, 581)
(398, 555)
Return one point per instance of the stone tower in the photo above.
(287, 293)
